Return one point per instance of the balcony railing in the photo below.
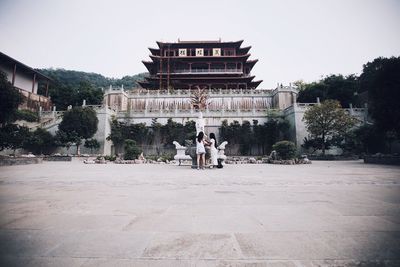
(206, 71)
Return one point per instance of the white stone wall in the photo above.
(294, 114)
(103, 130)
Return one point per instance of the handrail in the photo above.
(207, 71)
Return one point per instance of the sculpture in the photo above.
(199, 101)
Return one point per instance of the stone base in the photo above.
(10, 161)
(57, 158)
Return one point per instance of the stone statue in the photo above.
(200, 124)
(199, 101)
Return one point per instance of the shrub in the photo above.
(285, 149)
(92, 144)
(110, 158)
(131, 150)
(26, 115)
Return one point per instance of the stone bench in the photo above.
(221, 151)
(180, 153)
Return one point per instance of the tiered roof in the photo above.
(187, 64)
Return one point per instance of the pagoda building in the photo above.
(200, 64)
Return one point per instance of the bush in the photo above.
(110, 158)
(285, 149)
(92, 144)
(131, 150)
(26, 115)
(40, 141)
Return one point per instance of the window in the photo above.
(229, 52)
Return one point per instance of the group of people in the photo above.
(201, 142)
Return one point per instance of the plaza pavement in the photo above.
(323, 214)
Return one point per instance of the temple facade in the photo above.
(200, 64)
(26, 80)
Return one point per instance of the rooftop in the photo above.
(7, 60)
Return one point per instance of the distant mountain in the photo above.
(72, 78)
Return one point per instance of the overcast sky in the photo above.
(292, 39)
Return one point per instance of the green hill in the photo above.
(70, 87)
(72, 78)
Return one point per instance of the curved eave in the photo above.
(239, 43)
(148, 64)
(143, 84)
(255, 84)
(185, 43)
(159, 44)
(245, 50)
(154, 51)
(251, 63)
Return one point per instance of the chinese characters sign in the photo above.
(182, 52)
(199, 52)
(216, 52)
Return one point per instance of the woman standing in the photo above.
(200, 151)
(213, 150)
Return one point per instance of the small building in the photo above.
(26, 80)
(200, 64)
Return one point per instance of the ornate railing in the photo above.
(205, 71)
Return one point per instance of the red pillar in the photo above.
(33, 83)
(47, 89)
(14, 73)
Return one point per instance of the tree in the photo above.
(381, 79)
(300, 85)
(327, 121)
(10, 99)
(156, 135)
(172, 131)
(13, 136)
(77, 124)
(117, 135)
(39, 141)
(246, 138)
(92, 144)
(189, 130)
(86, 91)
(337, 87)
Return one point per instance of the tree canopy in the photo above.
(9, 100)
(327, 121)
(77, 124)
(381, 79)
(13, 136)
(337, 87)
(71, 87)
(39, 141)
(72, 78)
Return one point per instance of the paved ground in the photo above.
(327, 213)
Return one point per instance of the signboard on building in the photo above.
(199, 52)
(182, 53)
(216, 52)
